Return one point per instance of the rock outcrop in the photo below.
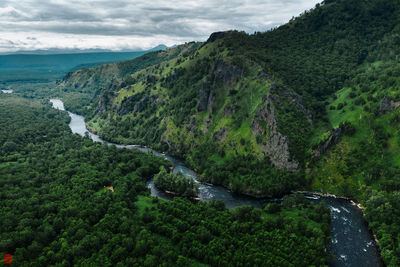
(217, 35)
(275, 145)
(225, 75)
(203, 98)
(128, 104)
(387, 105)
(324, 146)
(104, 102)
(135, 103)
(265, 125)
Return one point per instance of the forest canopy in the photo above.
(57, 207)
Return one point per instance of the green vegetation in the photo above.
(365, 165)
(313, 104)
(36, 75)
(56, 211)
(80, 87)
(176, 183)
(259, 97)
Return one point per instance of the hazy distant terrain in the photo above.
(38, 66)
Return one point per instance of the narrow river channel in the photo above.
(352, 243)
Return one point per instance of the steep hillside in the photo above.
(81, 86)
(310, 105)
(241, 99)
(215, 109)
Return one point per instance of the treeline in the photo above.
(382, 212)
(293, 233)
(176, 183)
(245, 173)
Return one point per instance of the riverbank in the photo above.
(91, 129)
(263, 197)
(353, 242)
(174, 194)
(354, 202)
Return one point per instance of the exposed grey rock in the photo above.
(220, 135)
(104, 102)
(210, 102)
(229, 110)
(333, 139)
(207, 123)
(225, 75)
(101, 106)
(128, 104)
(276, 145)
(192, 122)
(387, 105)
(142, 104)
(203, 99)
(135, 103)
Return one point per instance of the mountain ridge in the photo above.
(312, 104)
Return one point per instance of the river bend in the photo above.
(352, 243)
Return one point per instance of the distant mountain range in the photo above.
(47, 65)
(57, 51)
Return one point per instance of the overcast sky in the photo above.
(133, 24)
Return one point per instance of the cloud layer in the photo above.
(133, 24)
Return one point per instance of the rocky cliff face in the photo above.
(265, 125)
(274, 144)
(333, 139)
(225, 75)
(104, 103)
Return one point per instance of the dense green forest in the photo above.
(312, 104)
(68, 201)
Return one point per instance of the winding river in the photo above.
(352, 243)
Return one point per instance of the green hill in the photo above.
(310, 105)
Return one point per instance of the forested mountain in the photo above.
(80, 87)
(312, 104)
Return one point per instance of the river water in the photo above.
(352, 244)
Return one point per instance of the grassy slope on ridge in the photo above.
(79, 87)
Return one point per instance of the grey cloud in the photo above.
(123, 18)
